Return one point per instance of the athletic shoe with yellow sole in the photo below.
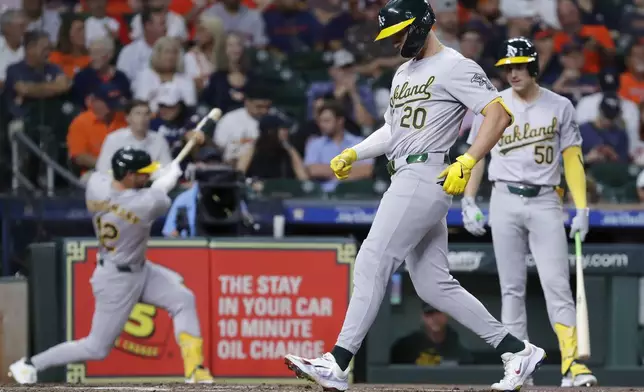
(201, 375)
(578, 376)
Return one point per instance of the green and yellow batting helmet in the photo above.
(131, 160)
(519, 50)
(416, 15)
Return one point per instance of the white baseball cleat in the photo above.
(23, 373)
(519, 366)
(323, 371)
(581, 380)
(529, 382)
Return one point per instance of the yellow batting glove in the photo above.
(341, 164)
(458, 174)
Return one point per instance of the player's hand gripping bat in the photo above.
(583, 330)
(214, 115)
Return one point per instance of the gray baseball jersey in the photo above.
(529, 149)
(429, 99)
(122, 219)
(529, 153)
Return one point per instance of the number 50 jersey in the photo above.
(429, 98)
(529, 149)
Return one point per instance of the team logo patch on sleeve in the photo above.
(482, 81)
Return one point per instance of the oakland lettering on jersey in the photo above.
(411, 93)
(105, 206)
(521, 138)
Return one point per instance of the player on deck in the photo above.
(429, 97)
(123, 212)
(526, 213)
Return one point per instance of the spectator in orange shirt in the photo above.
(71, 54)
(599, 46)
(90, 128)
(632, 81)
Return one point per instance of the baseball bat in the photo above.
(583, 330)
(213, 115)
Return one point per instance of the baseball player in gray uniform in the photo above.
(123, 212)
(430, 96)
(526, 213)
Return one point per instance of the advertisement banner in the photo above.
(596, 259)
(274, 298)
(146, 349)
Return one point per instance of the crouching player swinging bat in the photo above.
(430, 96)
(123, 211)
(525, 210)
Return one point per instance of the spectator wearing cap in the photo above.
(136, 55)
(290, 27)
(334, 140)
(175, 24)
(272, 155)
(446, 26)
(549, 63)
(206, 53)
(605, 139)
(90, 128)
(434, 343)
(358, 100)
(34, 78)
(587, 110)
(98, 24)
(137, 134)
(574, 83)
(238, 129)
(99, 71)
(40, 18)
(13, 24)
(248, 23)
(598, 45)
(631, 85)
(165, 71)
(335, 17)
(181, 220)
(226, 86)
(519, 20)
(174, 119)
(374, 57)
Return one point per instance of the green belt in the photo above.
(413, 158)
(526, 190)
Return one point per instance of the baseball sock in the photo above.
(342, 357)
(510, 344)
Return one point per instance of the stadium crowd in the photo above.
(298, 80)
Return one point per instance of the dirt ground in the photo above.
(283, 388)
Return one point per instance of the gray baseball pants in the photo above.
(524, 225)
(410, 226)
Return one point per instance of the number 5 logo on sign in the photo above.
(141, 321)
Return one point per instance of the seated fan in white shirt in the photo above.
(166, 68)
